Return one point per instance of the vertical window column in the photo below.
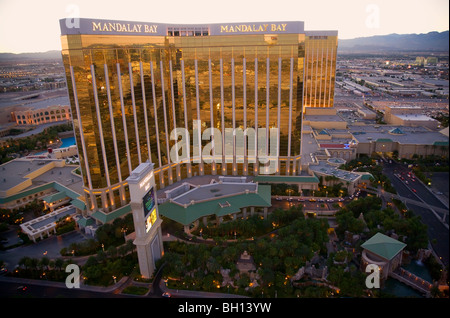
(80, 125)
(105, 202)
(156, 125)
(113, 127)
(119, 79)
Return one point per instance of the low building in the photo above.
(245, 263)
(48, 180)
(406, 141)
(323, 118)
(46, 224)
(24, 180)
(383, 251)
(329, 170)
(414, 120)
(37, 116)
(228, 197)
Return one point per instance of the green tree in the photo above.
(44, 262)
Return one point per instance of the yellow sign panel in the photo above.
(151, 219)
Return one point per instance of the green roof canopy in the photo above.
(108, 217)
(79, 204)
(219, 207)
(366, 176)
(384, 140)
(83, 222)
(440, 143)
(55, 197)
(383, 246)
(286, 179)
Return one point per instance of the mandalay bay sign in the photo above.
(234, 145)
(113, 27)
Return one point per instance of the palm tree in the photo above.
(426, 147)
(44, 262)
(25, 262)
(59, 263)
(434, 147)
(130, 245)
(33, 263)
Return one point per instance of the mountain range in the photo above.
(425, 42)
(49, 55)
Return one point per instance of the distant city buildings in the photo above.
(431, 60)
(31, 75)
(376, 77)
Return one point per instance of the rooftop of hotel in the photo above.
(412, 135)
(17, 171)
(214, 190)
(309, 148)
(219, 206)
(326, 168)
(418, 117)
(333, 118)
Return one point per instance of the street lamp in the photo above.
(124, 230)
(289, 191)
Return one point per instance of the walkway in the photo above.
(412, 280)
(48, 283)
(389, 195)
(180, 293)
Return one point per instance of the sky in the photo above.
(33, 25)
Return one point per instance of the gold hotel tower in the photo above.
(131, 83)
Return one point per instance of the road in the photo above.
(436, 229)
(10, 290)
(49, 247)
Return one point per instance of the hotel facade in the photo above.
(238, 89)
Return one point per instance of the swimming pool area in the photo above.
(67, 142)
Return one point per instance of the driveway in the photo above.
(49, 247)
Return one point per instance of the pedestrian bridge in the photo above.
(412, 280)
